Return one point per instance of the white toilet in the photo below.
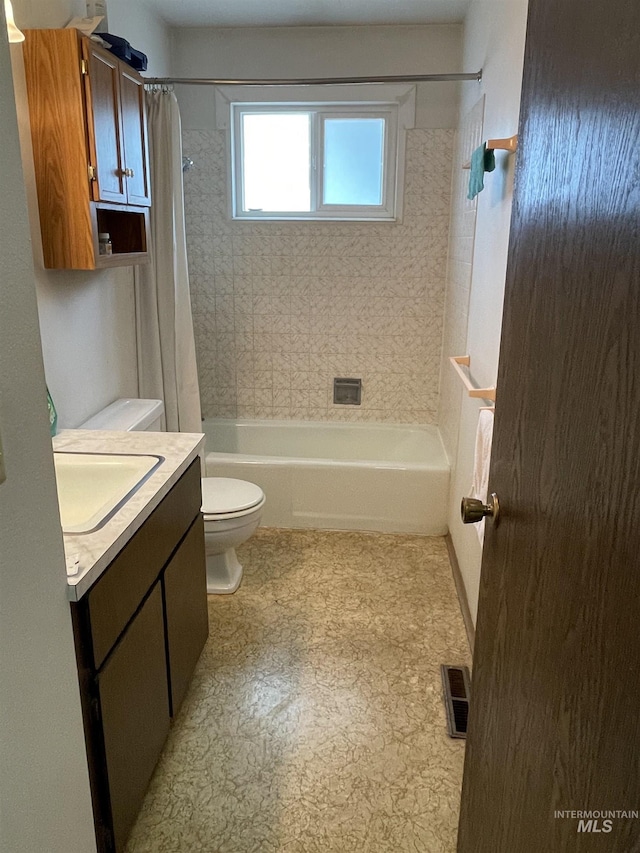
(232, 509)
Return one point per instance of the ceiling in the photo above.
(283, 13)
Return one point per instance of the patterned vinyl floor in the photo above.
(314, 722)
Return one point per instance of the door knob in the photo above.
(472, 510)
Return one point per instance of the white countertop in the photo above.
(89, 554)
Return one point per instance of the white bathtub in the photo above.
(393, 479)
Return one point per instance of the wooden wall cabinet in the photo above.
(89, 136)
(138, 634)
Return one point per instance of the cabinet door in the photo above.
(134, 128)
(134, 707)
(105, 127)
(185, 599)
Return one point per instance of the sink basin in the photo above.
(93, 486)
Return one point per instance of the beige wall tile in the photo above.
(280, 308)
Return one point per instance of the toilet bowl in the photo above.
(231, 510)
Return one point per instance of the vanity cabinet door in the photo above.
(185, 598)
(134, 711)
(105, 125)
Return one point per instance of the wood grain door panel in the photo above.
(186, 611)
(59, 137)
(105, 126)
(554, 714)
(134, 705)
(134, 130)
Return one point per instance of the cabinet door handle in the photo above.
(129, 173)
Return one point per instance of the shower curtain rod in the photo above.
(316, 81)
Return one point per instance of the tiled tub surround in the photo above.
(89, 554)
(314, 722)
(281, 308)
(385, 477)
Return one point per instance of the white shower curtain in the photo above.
(165, 343)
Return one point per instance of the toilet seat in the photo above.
(224, 498)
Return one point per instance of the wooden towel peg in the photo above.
(508, 144)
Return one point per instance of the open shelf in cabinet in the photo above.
(128, 229)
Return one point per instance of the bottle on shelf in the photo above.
(105, 246)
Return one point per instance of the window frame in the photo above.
(400, 98)
(318, 114)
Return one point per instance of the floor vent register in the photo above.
(456, 684)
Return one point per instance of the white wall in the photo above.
(140, 25)
(44, 787)
(459, 274)
(87, 319)
(286, 52)
(494, 36)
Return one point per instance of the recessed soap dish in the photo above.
(347, 392)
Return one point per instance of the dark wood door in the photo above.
(184, 585)
(134, 129)
(105, 127)
(554, 724)
(134, 708)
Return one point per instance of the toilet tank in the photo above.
(128, 414)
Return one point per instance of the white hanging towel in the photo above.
(482, 458)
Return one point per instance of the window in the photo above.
(310, 161)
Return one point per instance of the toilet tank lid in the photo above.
(126, 414)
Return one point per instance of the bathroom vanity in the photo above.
(139, 611)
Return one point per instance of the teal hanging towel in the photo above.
(53, 415)
(482, 160)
